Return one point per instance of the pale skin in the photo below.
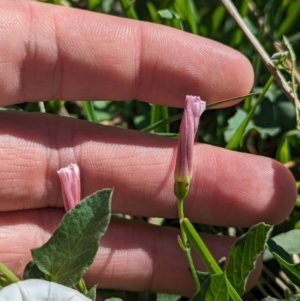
(50, 52)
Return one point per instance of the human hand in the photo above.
(51, 52)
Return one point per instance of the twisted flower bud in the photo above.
(70, 184)
(193, 108)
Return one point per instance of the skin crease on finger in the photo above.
(70, 54)
(150, 260)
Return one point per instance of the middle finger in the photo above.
(228, 188)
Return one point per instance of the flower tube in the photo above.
(70, 184)
(193, 108)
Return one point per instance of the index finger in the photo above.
(65, 53)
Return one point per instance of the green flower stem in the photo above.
(187, 249)
(7, 276)
(82, 287)
(203, 252)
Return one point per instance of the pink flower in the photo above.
(193, 108)
(70, 184)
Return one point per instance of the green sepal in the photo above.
(181, 189)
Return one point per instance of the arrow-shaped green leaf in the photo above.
(74, 244)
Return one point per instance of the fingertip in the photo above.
(284, 196)
(241, 189)
(214, 71)
(273, 195)
(233, 76)
(241, 71)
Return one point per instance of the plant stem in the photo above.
(216, 103)
(82, 287)
(7, 276)
(294, 86)
(206, 257)
(187, 248)
(259, 49)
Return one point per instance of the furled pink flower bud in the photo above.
(70, 184)
(193, 108)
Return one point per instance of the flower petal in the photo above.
(193, 109)
(70, 184)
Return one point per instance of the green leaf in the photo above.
(235, 140)
(202, 276)
(159, 113)
(292, 15)
(167, 297)
(11, 108)
(93, 4)
(294, 297)
(128, 9)
(73, 245)
(54, 106)
(234, 122)
(289, 240)
(282, 257)
(214, 288)
(244, 253)
(275, 113)
(32, 271)
(271, 117)
(168, 14)
(153, 12)
(283, 153)
(92, 293)
(237, 118)
(89, 110)
(218, 17)
(274, 247)
(192, 16)
(290, 269)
